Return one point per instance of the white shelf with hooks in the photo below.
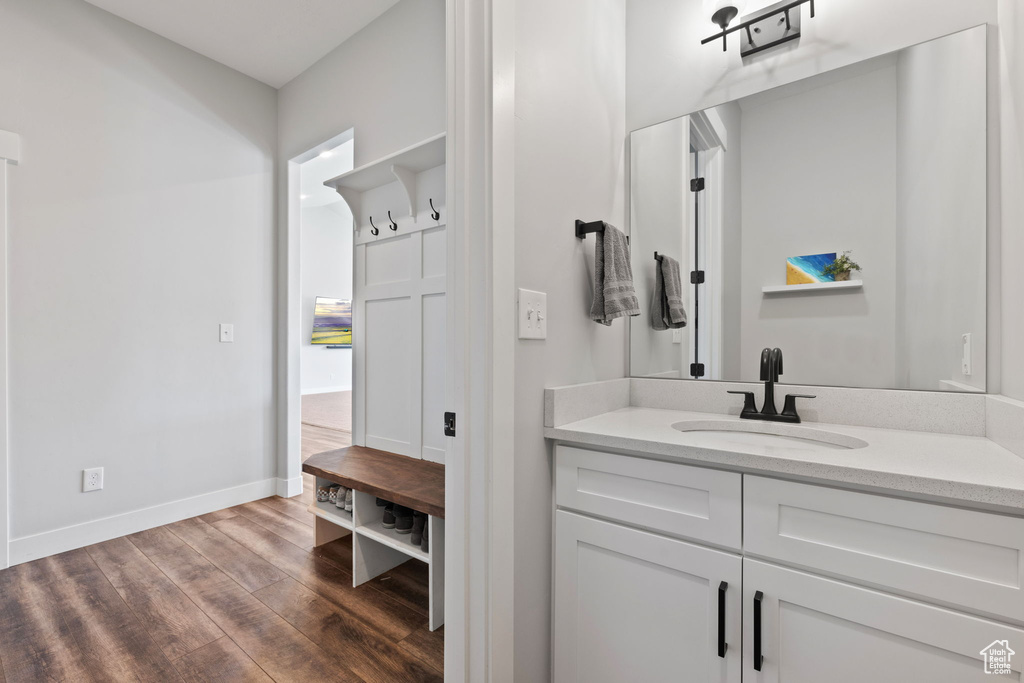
(408, 169)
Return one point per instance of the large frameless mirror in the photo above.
(841, 218)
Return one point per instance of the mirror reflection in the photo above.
(841, 218)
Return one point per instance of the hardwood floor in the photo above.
(236, 595)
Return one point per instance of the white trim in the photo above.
(481, 120)
(288, 488)
(714, 170)
(327, 390)
(10, 152)
(289, 333)
(57, 541)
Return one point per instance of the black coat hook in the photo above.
(394, 225)
(373, 228)
(434, 213)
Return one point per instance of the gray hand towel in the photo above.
(667, 302)
(614, 295)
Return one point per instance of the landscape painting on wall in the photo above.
(806, 270)
(332, 322)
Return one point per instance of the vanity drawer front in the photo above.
(954, 556)
(680, 500)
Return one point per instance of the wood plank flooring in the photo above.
(236, 595)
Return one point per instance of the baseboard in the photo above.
(289, 488)
(327, 390)
(48, 543)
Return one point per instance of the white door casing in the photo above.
(10, 154)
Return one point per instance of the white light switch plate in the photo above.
(227, 333)
(533, 314)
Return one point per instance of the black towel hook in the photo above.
(373, 228)
(394, 225)
(434, 213)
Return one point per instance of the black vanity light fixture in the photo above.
(771, 26)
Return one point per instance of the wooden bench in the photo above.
(373, 474)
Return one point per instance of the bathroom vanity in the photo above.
(695, 546)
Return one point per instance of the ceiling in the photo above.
(271, 40)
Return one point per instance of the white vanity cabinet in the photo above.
(814, 629)
(636, 580)
(635, 606)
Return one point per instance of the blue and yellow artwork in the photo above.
(806, 270)
(332, 322)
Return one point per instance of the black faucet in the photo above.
(771, 368)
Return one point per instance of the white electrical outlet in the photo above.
(92, 480)
(227, 333)
(533, 314)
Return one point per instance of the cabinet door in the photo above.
(633, 606)
(813, 629)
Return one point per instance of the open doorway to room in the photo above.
(325, 305)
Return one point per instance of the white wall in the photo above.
(141, 216)
(326, 271)
(387, 84)
(570, 163)
(941, 194)
(807, 190)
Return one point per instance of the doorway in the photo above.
(325, 305)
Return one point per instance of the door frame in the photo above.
(289, 470)
(481, 384)
(10, 155)
(480, 75)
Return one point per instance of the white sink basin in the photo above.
(719, 433)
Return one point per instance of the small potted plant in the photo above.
(841, 267)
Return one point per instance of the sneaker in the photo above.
(332, 495)
(403, 519)
(425, 545)
(389, 516)
(348, 500)
(381, 502)
(323, 493)
(419, 522)
(340, 502)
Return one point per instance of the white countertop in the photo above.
(964, 469)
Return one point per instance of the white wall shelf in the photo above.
(813, 287)
(403, 166)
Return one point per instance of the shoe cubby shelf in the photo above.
(417, 179)
(376, 550)
(332, 514)
(393, 539)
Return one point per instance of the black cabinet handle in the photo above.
(722, 645)
(758, 659)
